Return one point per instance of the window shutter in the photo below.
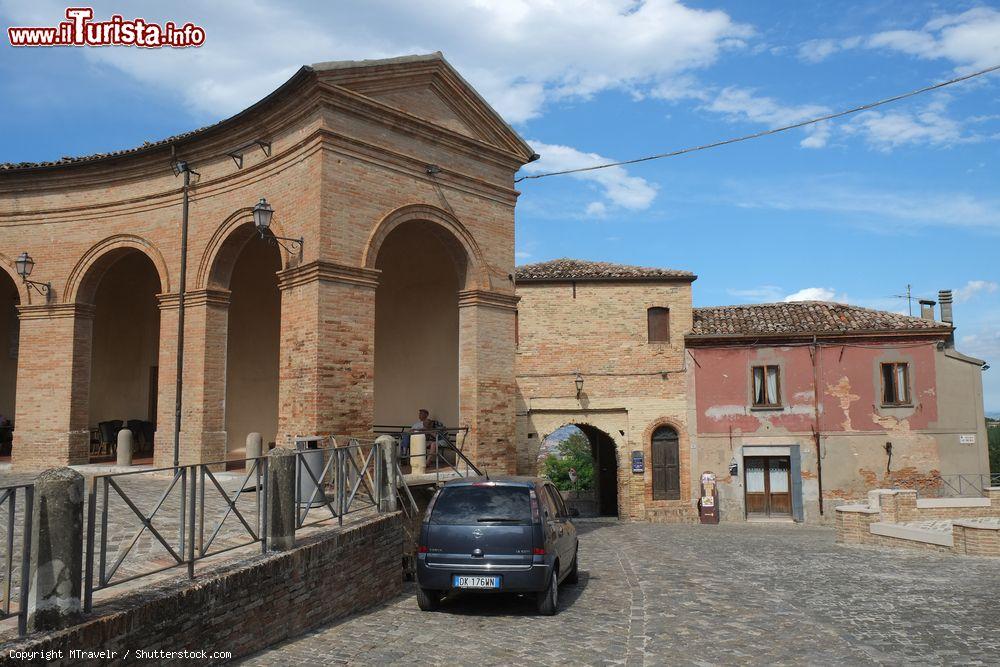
(658, 325)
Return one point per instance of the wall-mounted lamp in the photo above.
(262, 214)
(24, 265)
(579, 384)
(433, 169)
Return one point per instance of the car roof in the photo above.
(504, 480)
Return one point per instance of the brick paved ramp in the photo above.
(680, 594)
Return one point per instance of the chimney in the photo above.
(944, 298)
(927, 309)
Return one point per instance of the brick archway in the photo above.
(7, 264)
(456, 237)
(224, 248)
(86, 275)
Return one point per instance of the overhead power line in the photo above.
(776, 130)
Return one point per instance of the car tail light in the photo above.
(422, 549)
(537, 552)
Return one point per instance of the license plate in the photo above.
(469, 581)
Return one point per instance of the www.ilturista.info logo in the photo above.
(80, 30)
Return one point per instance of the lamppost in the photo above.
(579, 384)
(181, 167)
(262, 214)
(24, 265)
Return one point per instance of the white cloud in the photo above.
(744, 104)
(884, 211)
(970, 40)
(929, 126)
(520, 54)
(616, 185)
(775, 293)
(974, 288)
(521, 255)
(814, 294)
(818, 50)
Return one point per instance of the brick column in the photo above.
(486, 377)
(203, 416)
(326, 381)
(53, 385)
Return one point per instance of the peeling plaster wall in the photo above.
(947, 402)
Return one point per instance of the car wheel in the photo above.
(428, 600)
(573, 576)
(548, 600)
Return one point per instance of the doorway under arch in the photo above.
(603, 460)
(124, 353)
(252, 341)
(605, 455)
(417, 324)
(9, 336)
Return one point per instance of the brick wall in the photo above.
(342, 167)
(631, 386)
(245, 608)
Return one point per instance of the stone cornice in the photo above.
(55, 311)
(195, 299)
(475, 297)
(322, 271)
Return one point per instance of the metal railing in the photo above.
(182, 519)
(351, 473)
(8, 498)
(966, 485)
(196, 516)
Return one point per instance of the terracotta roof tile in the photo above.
(558, 270)
(802, 317)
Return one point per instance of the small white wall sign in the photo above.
(967, 439)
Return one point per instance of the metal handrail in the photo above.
(958, 485)
(8, 496)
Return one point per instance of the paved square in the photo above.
(679, 594)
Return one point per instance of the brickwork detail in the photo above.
(247, 607)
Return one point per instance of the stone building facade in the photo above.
(738, 385)
(359, 160)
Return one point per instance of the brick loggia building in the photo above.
(399, 179)
(733, 389)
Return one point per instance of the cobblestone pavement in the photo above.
(698, 595)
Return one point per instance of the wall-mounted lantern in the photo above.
(24, 265)
(579, 384)
(262, 214)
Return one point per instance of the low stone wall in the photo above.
(888, 521)
(241, 609)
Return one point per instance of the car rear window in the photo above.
(471, 505)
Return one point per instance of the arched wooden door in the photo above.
(666, 464)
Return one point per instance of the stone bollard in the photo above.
(418, 451)
(124, 448)
(388, 491)
(255, 445)
(281, 499)
(56, 550)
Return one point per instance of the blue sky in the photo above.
(852, 210)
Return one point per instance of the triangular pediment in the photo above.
(428, 88)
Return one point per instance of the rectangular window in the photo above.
(658, 325)
(766, 386)
(896, 384)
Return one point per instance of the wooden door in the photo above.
(778, 488)
(666, 464)
(767, 486)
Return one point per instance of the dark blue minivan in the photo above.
(509, 534)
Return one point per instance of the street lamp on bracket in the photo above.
(24, 264)
(262, 214)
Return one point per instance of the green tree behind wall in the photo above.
(574, 452)
(993, 431)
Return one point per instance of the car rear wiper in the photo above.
(497, 519)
